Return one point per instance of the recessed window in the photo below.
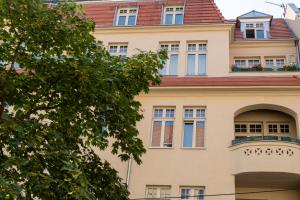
(171, 65)
(279, 62)
(279, 128)
(250, 33)
(173, 15)
(274, 62)
(126, 17)
(194, 125)
(248, 127)
(158, 192)
(196, 59)
(246, 62)
(163, 127)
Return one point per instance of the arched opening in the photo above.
(265, 121)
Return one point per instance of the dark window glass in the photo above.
(250, 33)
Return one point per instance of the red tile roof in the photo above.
(228, 81)
(150, 11)
(278, 30)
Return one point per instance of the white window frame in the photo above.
(198, 50)
(163, 120)
(172, 50)
(158, 189)
(248, 124)
(275, 62)
(194, 119)
(118, 45)
(247, 62)
(192, 192)
(127, 15)
(255, 26)
(173, 13)
(278, 124)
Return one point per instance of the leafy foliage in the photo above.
(69, 91)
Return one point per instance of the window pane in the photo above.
(202, 64)
(131, 20)
(163, 71)
(123, 49)
(179, 19)
(113, 49)
(170, 113)
(168, 137)
(269, 63)
(188, 135)
(173, 64)
(200, 134)
(260, 34)
(158, 113)
(168, 18)
(191, 64)
(279, 62)
(250, 33)
(156, 133)
(121, 21)
(175, 47)
(185, 193)
(188, 113)
(191, 47)
(200, 113)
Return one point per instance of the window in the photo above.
(279, 128)
(118, 48)
(191, 193)
(269, 62)
(194, 127)
(279, 62)
(274, 62)
(162, 192)
(196, 59)
(240, 63)
(250, 62)
(173, 15)
(248, 127)
(240, 128)
(255, 30)
(171, 65)
(163, 127)
(126, 17)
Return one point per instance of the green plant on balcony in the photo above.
(257, 67)
(290, 67)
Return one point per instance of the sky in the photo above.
(231, 9)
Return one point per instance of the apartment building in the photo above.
(224, 122)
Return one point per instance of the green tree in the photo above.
(69, 91)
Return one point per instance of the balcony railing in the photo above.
(293, 67)
(265, 138)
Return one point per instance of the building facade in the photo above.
(224, 122)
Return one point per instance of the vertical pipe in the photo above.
(128, 172)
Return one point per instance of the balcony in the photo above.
(266, 155)
(259, 68)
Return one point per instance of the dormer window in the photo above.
(255, 31)
(126, 17)
(173, 15)
(255, 25)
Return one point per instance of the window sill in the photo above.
(193, 148)
(160, 147)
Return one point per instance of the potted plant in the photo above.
(290, 67)
(257, 67)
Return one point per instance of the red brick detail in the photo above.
(150, 12)
(228, 81)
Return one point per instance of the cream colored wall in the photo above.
(263, 50)
(213, 166)
(266, 116)
(292, 20)
(217, 40)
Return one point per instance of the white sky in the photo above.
(231, 9)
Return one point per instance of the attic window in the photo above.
(173, 15)
(255, 31)
(126, 16)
